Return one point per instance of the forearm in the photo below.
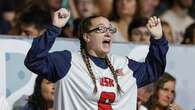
(156, 57)
(37, 57)
(43, 43)
(154, 65)
(52, 66)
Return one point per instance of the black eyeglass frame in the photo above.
(104, 29)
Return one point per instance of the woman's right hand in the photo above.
(174, 107)
(61, 17)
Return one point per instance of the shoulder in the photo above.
(143, 107)
(27, 107)
(118, 60)
(76, 55)
(2, 98)
(189, 19)
(77, 58)
(4, 104)
(167, 15)
(20, 103)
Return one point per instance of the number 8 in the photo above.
(105, 101)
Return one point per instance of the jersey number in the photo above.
(106, 99)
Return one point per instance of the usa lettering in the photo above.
(105, 81)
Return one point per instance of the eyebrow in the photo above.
(101, 24)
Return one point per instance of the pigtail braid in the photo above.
(113, 73)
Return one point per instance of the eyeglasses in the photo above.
(103, 29)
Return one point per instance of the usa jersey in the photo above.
(74, 87)
(75, 90)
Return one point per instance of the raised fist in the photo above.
(154, 27)
(61, 17)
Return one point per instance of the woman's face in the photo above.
(99, 40)
(55, 4)
(47, 90)
(86, 8)
(140, 35)
(148, 7)
(166, 94)
(126, 7)
(31, 30)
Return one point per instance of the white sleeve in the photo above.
(4, 104)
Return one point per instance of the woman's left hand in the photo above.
(154, 27)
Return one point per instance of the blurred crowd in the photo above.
(31, 18)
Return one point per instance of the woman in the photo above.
(85, 8)
(92, 79)
(164, 94)
(146, 8)
(122, 14)
(42, 97)
(138, 32)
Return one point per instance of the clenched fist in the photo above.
(154, 27)
(61, 17)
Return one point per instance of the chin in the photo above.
(165, 104)
(106, 51)
(51, 99)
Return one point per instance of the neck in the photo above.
(146, 15)
(96, 54)
(50, 105)
(179, 10)
(159, 108)
(126, 19)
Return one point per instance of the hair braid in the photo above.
(113, 73)
(86, 60)
(84, 27)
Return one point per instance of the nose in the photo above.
(170, 95)
(53, 87)
(108, 34)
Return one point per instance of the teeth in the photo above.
(106, 41)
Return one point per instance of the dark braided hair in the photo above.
(84, 27)
(113, 73)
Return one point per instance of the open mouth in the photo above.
(107, 41)
(52, 93)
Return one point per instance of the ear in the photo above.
(86, 37)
